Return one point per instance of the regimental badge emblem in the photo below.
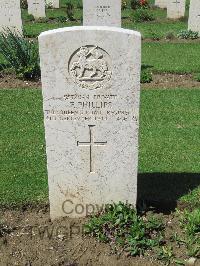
(90, 67)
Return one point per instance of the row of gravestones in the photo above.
(101, 12)
(91, 92)
(176, 10)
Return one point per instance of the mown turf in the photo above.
(169, 139)
(172, 57)
(23, 165)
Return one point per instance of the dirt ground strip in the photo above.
(29, 238)
(160, 81)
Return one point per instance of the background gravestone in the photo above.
(10, 15)
(102, 13)
(161, 3)
(175, 9)
(194, 16)
(53, 3)
(91, 85)
(36, 8)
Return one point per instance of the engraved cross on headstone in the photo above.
(91, 144)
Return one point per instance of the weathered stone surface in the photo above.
(53, 3)
(194, 16)
(10, 15)
(175, 9)
(37, 8)
(102, 13)
(91, 86)
(161, 3)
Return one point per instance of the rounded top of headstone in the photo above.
(88, 28)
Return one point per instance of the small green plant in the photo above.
(154, 35)
(42, 20)
(183, 19)
(79, 4)
(29, 18)
(61, 19)
(135, 4)
(146, 75)
(170, 35)
(197, 77)
(124, 4)
(120, 225)
(190, 222)
(4, 229)
(166, 254)
(188, 34)
(20, 54)
(70, 10)
(142, 15)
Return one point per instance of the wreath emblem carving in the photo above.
(89, 67)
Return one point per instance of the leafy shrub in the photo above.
(190, 222)
(170, 35)
(70, 10)
(146, 75)
(135, 4)
(42, 20)
(24, 4)
(183, 19)
(29, 18)
(61, 19)
(21, 55)
(120, 225)
(188, 34)
(154, 35)
(79, 4)
(197, 77)
(142, 15)
(124, 4)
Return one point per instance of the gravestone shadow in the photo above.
(161, 191)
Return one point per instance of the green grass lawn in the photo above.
(172, 57)
(169, 140)
(163, 56)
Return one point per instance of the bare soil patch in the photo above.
(171, 81)
(160, 81)
(10, 81)
(30, 238)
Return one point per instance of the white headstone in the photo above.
(161, 3)
(10, 15)
(37, 8)
(175, 9)
(91, 87)
(53, 3)
(102, 13)
(194, 16)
